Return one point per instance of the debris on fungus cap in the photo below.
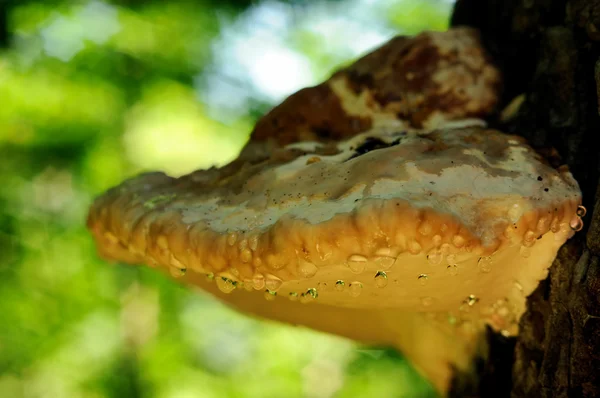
(373, 238)
(422, 82)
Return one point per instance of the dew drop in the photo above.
(381, 279)
(581, 211)
(258, 282)
(434, 257)
(529, 238)
(436, 240)
(355, 288)
(384, 252)
(177, 272)
(357, 258)
(322, 286)
(414, 247)
(503, 311)
(231, 238)
(310, 295)
(247, 285)
(357, 263)
(384, 262)
(339, 285)
(518, 286)
(445, 248)
(246, 255)
(458, 241)
(485, 264)
(307, 269)
(471, 300)
(525, 251)
(273, 283)
(422, 278)
(270, 295)
(576, 224)
(452, 270)
(225, 285)
(293, 296)
(274, 262)
(324, 252)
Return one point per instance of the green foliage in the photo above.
(414, 17)
(91, 93)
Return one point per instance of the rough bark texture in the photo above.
(549, 50)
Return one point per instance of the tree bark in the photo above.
(3, 25)
(549, 50)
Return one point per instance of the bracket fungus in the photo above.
(410, 231)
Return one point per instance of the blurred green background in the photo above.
(92, 92)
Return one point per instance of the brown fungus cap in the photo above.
(361, 238)
(422, 82)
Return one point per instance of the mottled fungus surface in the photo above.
(458, 223)
(395, 232)
(409, 82)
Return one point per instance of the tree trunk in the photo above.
(549, 50)
(3, 25)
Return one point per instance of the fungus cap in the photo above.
(420, 82)
(459, 224)
(369, 206)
